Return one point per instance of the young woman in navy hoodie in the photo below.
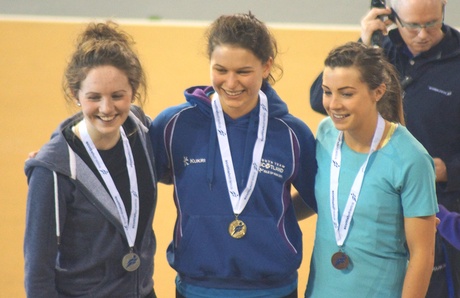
(233, 151)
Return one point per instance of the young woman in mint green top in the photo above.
(374, 187)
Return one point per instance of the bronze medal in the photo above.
(237, 229)
(340, 260)
(131, 261)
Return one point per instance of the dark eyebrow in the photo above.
(341, 88)
(346, 87)
(246, 68)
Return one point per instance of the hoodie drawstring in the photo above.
(56, 208)
(211, 155)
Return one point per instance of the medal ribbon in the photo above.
(129, 225)
(341, 231)
(239, 201)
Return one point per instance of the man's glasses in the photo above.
(415, 27)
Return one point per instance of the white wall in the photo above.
(347, 12)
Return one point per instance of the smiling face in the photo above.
(349, 102)
(105, 96)
(237, 75)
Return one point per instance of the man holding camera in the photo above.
(426, 53)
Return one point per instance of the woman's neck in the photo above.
(104, 142)
(361, 141)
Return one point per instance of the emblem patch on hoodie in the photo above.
(271, 167)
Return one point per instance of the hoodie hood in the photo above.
(199, 96)
(51, 154)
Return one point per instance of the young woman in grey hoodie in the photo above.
(92, 187)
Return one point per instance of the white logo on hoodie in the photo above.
(190, 161)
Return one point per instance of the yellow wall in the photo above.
(32, 59)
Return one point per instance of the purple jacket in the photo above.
(449, 227)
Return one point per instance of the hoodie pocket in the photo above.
(208, 251)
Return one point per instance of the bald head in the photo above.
(396, 4)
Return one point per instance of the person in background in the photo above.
(233, 152)
(375, 186)
(426, 53)
(449, 226)
(92, 187)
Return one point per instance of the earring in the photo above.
(78, 104)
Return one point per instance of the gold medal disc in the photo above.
(131, 261)
(237, 229)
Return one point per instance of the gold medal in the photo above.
(340, 260)
(131, 261)
(237, 228)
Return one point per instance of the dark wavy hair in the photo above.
(247, 32)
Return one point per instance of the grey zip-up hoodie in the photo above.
(88, 260)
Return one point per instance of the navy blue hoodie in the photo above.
(187, 151)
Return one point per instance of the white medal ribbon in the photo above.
(341, 231)
(240, 201)
(129, 225)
